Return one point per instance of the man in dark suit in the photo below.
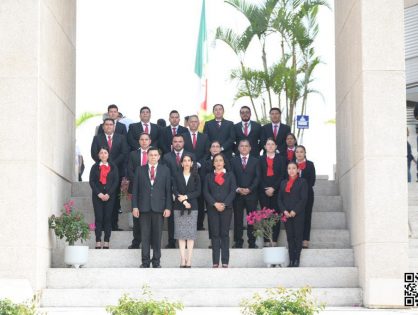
(118, 150)
(247, 173)
(151, 202)
(172, 161)
(137, 158)
(143, 126)
(221, 130)
(168, 132)
(248, 129)
(113, 113)
(198, 144)
(275, 130)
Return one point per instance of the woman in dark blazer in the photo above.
(219, 191)
(273, 171)
(306, 170)
(186, 189)
(293, 195)
(291, 144)
(104, 180)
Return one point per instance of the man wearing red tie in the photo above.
(151, 202)
(144, 125)
(137, 158)
(249, 130)
(170, 131)
(275, 130)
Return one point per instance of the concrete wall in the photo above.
(37, 97)
(371, 142)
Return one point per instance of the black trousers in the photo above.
(151, 224)
(249, 203)
(103, 217)
(136, 232)
(170, 221)
(294, 232)
(219, 223)
(116, 207)
(201, 205)
(308, 216)
(270, 203)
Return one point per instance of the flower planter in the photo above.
(76, 255)
(274, 256)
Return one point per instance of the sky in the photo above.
(136, 53)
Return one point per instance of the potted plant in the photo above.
(8, 307)
(263, 221)
(71, 226)
(282, 301)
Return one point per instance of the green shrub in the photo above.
(7, 307)
(144, 306)
(281, 301)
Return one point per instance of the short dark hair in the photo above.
(143, 108)
(153, 149)
(213, 108)
(178, 136)
(103, 148)
(173, 112)
(108, 119)
(293, 136)
(186, 118)
(112, 106)
(216, 141)
(244, 140)
(144, 133)
(161, 122)
(271, 139)
(216, 155)
(276, 109)
(245, 106)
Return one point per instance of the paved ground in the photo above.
(231, 311)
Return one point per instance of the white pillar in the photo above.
(371, 142)
(37, 98)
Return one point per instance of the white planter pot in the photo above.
(76, 255)
(275, 256)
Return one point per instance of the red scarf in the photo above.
(290, 183)
(104, 170)
(302, 165)
(290, 154)
(219, 178)
(270, 171)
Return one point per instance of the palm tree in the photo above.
(84, 117)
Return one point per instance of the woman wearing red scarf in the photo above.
(291, 144)
(104, 179)
(219, 191)
(307, 171)
(292, 199)
(273, 171)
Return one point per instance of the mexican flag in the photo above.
(201, 62)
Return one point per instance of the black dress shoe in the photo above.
(133, 246)
(156, 266)
(237, 245)
(170, 245)
(290, 264)
(201, 228)
(296, 263)
(252, 246)
(144, 266)
(116, 229)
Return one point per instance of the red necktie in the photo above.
(144, 158)
(275, 131)
(194, 140)
(174, 131)
(246, 129)
(146, 128)
(152, 173)
(178, 158)
(109, 142)
(244, 162)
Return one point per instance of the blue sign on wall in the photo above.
(302, 121)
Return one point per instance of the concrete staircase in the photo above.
(327, 266)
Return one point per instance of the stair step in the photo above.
(339, 238)
(207, 297)
(202, 258)
(169, 278)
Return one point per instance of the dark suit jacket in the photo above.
(117, 154)
(202, 146)
(192, 189)
(112, 180)
(216, 193)
(254, 137)
(134, 160)
(169, 160)
(120, 129)
(297, 197)
(147, 197)
(267, 132)
(309, 174)
(248, 177)
(225, 135)
(207, 167)
(135, 131)
(166, 137)
(279, 170)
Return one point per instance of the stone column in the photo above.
(37, 134)
(371, 142)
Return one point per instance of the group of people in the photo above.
(181, 174)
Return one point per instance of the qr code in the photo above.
(411, 292)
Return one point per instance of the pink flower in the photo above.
(67, 208)
(92, 226)
(71, 203)
(283, 218)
